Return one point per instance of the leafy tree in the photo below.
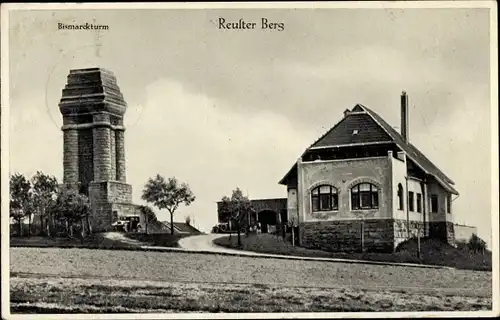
(70, 207)
(45, 188)
(168, 195)
(238, 208)
(476, 244)
(21, 200)
(149, 215)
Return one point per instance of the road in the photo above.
(196, 267)
(205, 243)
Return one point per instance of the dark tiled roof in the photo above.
(373, 128)
(412, 152)
(344, 132)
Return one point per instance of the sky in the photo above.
(225, 108)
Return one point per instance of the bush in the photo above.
(476, 244)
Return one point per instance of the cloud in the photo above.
(198, 140)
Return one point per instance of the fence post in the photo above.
(418, 244)
(362, 236)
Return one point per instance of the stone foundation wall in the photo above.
(119, 192)
(401, 230)
(126, 209)
(442, 230)
(348, 235)
(110, 192)
(102, 217)
(109, 199)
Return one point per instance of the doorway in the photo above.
(267, 219)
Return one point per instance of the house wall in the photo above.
(407, 223)
(382, 229)
(292, 205)
(434, 188)
(440, 223)
(346, 229)
(343, 175)
(415, 187)
(398, 177)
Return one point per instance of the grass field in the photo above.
(100, 241)
(57, 295)
(84, 280)
(433, 252)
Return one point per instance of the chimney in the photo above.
(346, 112)
(404, 116)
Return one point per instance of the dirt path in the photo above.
(205, 243)
(117, 236)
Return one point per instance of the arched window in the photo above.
(400, 196)
(364, 196)
(324, 198)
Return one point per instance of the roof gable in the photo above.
(411, 151)
(373, 128)
(356, 127)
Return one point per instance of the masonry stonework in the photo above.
(93, 107)
(112, 151)
(120, 155)
(348, 235)
(70, 159)
(85, 157)
(102, 156)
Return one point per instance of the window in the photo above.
(434, 203)
(324, 198)
(400, 196)
(364, 196)
(419, 202)
(411, 204)
(448, 203)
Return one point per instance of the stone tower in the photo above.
(93, 108)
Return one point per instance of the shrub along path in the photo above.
(433, 252)
(105, 240)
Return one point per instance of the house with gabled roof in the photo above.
(363, 185)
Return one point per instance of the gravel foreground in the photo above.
(57, 295)
(52, 280)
